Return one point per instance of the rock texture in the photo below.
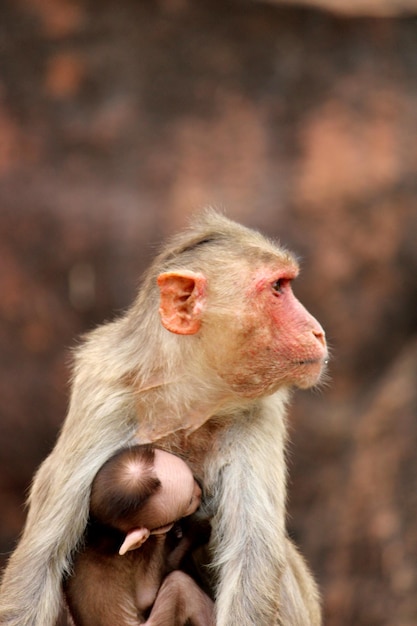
(381, 8)
(117, 120)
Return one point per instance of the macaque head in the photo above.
(143, 491)
(179, 495)
(238, 300)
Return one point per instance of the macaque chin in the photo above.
(127, 571)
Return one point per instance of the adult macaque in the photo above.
(202, 364)
(137, 500)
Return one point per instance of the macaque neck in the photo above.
(182, 403)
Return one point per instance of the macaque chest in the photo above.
(197, 447)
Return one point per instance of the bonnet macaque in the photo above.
(136, 541)
(202, 365)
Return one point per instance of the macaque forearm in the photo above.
(249, 538)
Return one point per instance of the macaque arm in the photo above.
(134, 539)
(299, 596)
(192, 534)
(179, 552)
(249, 537)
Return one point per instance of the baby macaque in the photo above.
(127, 570)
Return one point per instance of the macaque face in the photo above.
(276, 341)
(178, 496)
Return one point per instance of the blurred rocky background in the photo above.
(119, 118)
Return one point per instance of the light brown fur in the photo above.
(213, 390)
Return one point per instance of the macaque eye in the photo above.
(278, 285)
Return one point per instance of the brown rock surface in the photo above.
(376, 532)
(381, 8)
(117, 119)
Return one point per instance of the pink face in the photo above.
(279, 342)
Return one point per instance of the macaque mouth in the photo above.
(313, 362)
(161, 530)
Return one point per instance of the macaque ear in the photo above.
(134, 539)
(182, 301)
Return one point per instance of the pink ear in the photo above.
(182, 301)
(134, 539)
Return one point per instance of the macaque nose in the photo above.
(320, 336)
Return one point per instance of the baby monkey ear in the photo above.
(183, 296)
(134, 539)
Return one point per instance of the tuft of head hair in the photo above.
(212, 230)
(213, 243)
(123, 484)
